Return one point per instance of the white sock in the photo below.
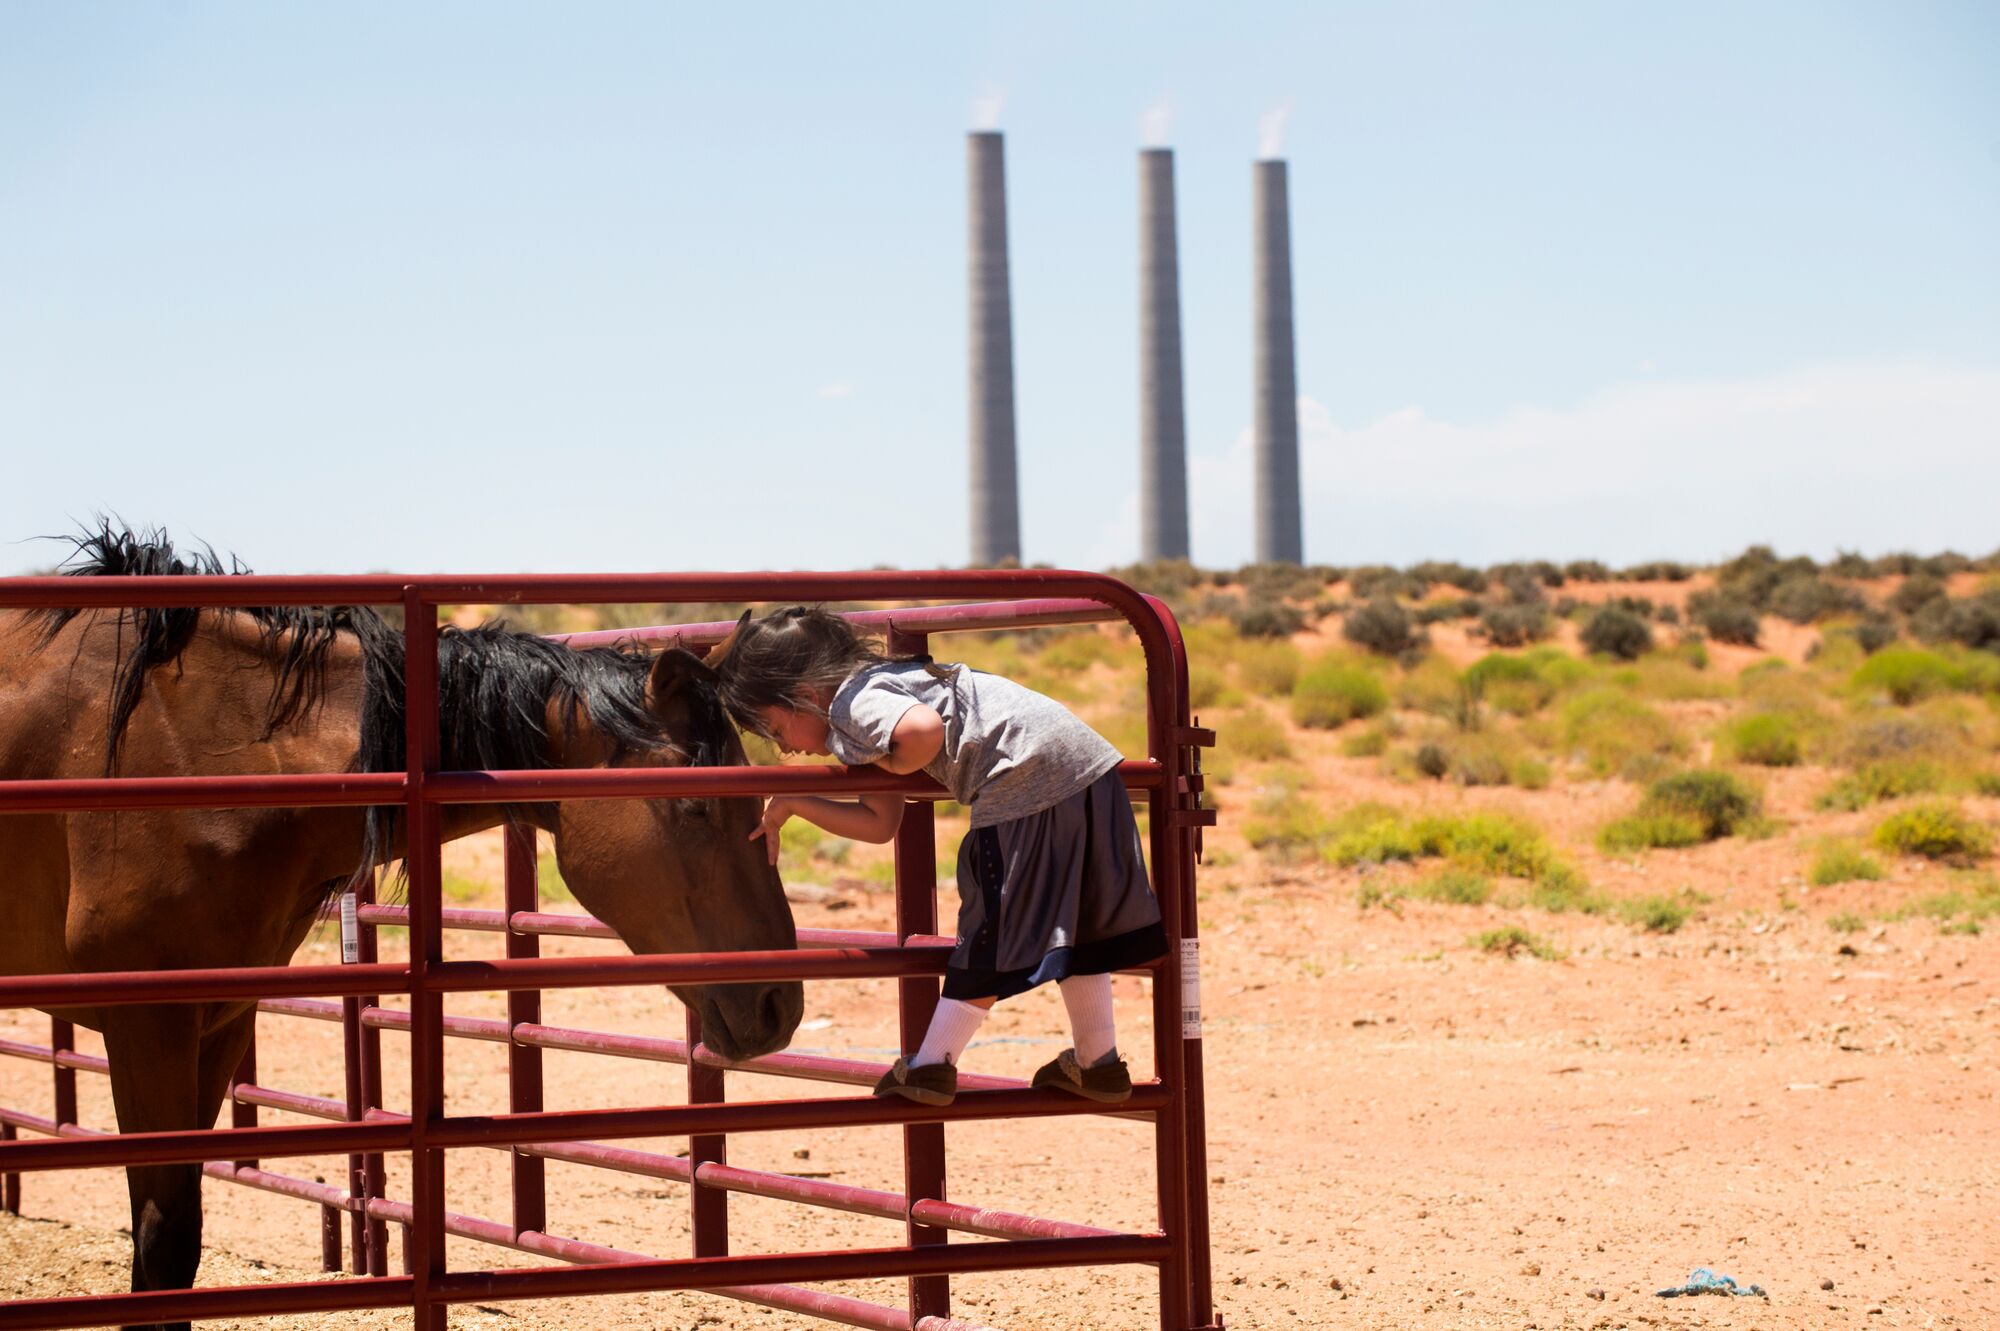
(952, 1027)
(1088, 998)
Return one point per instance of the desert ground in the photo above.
(1520, 1065)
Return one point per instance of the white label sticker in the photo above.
(1190, 989)
(350, 929)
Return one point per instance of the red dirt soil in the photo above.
(1405, 1131)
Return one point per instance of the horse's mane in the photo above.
(496, 687)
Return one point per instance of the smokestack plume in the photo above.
(1163, 507)
(1277, 418)
(996, 510)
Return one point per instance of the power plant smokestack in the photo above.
(1163, 508)
(1277, 419)
(996, 505)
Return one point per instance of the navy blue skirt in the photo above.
(1058, 893)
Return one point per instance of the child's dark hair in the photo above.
(774, 660)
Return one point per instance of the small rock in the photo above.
(1826, 1284)
(1876, 1311)
(1335, 1283)
(803, 1153)
(1532, 1269)
(1597, 1294)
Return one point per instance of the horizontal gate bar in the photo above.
(987, 615)
(573, 925)
(851, 1264)
(768, 1116)
(194, 1147)
(92, 988)
(306, 1296)
(315, 789)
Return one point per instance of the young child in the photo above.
(1051, 879)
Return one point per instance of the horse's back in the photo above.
(163, 888)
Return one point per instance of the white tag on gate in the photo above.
(350, 929)
(1190, 989)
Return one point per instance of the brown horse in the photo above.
(181, 692)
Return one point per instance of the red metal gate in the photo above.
(1168, 777)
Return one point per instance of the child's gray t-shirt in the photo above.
(1008, 751)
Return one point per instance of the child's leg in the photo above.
(952, 1027)
(1088, 998)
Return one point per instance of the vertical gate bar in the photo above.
(425, 1245)
(917, 996)
(524, 1062)
(62, 1039)
(350, 1051)
(10, 1184)
(240, 1114)
(373, 1254)
(708, 1208)
(1195, 1114)
(1163, 713)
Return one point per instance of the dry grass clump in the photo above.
(1512, 941)
(1255, 734)
(1907, 675)
(1843, 862)
(1764, 739)
(1615, 734)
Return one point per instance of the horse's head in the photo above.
(682, 875)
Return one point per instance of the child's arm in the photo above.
(915, 741)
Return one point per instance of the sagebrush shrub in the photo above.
(1586, 570)
(1972, 622)
(1267, 617)
(1333, 692)
(1726, 620)
(1768, 739)
(1515, 625)
(1382, 627)
(1660, 570)
(1876, 782)
(1268, 667)
(1617, 633)
(1811, 598)
(1614, 733)
(1916, 591)
(1908, 674)
(1843, 862)
(1935, 830)
(1649, 831)
(1718, 802)
(1256, 734)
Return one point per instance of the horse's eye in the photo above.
(695, 808)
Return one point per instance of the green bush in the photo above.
(1269, 668)
(1718, 802)
(1515, 625)
(1586, 570)
(1436, 612)
(1657, 915)
(1727, 620)
(1972, 622)
(1383, 627)
(1432, 760)
(1255, 734)
(1484, 842)
(1649, 831)
(1768, 739)
(1936, 830)
(1617, 633)
(1511, 940)
(1453, 886)
(1333, 692)
(1915, 592)
(1265, 617)
(1660, 570)
(1809, 598)
(1208, 688)
(1881, 781)
(1612, 732)
(1517, 685)
(1843, 862)
(1908, 674)
(1370, 743)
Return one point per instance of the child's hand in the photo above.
(777, 811)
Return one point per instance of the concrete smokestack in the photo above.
(996, 504)
(1163, 508)
(1277, 419)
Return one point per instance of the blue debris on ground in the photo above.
(1705, 1281)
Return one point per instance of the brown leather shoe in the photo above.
(1108, 1083)
(927, 1083)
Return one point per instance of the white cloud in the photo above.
(1871, 457)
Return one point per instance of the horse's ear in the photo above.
(720, 652)
(674, 671)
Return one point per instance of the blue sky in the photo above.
(498, 287)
